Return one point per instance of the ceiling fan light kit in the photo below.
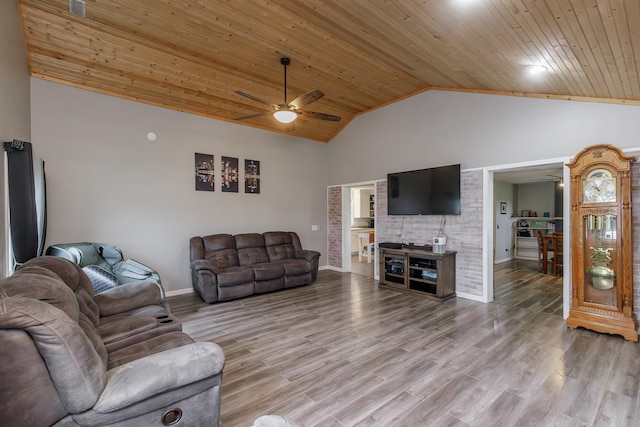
(288, 112)
(285, 116)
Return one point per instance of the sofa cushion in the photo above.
(217, 242)
(249, 240)
(296, 267)
(73, 364)
(225, 258)
(279, 245)
(268, 285)
(28, 396)
(70, 273)
(151, 346)
(251, 249)
(302, 279)
(251, 256)
(268, 270)
(74, 277)
(125, 298)
(125, 330)
(226, 293)
(41, 284)
(234, 276)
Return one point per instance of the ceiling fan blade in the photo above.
(254, 98)
(251, 116)
(306, 99)
(321, 116)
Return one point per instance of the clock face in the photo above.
(599, 187)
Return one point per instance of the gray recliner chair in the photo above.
(122, 317)
(56, 371)
(105, 264)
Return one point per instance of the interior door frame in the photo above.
(346, 226)
(489, 226)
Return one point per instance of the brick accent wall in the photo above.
(334, 226)
(463, 232)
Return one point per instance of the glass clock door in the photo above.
(600, 259)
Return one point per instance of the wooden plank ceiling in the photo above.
(192, 55)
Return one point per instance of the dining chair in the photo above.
(557, 253)
(543, 251)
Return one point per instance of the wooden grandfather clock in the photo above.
(601, 246)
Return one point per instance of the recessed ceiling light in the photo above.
(537, 69)
(464, 2)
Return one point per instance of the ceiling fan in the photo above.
(287, 112)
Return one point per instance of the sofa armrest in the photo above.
(131, 383)
(308, 255)
(134, 271)
(128, 297)
(205, 264)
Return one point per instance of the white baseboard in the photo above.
(179, 292)
(330, 267)
(500, 261)
(472, 297)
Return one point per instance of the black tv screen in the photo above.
(433, 191)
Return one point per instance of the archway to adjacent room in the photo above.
(342, 226)
(359, 242)
(521, 200)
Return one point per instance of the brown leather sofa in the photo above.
(225, 267)
(118, 359)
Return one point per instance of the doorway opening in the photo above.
(359, 229)
(529, 207)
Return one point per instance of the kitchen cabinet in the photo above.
(364, 207)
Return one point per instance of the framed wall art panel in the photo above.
(229, 174)
(204, 167)
(252, 176)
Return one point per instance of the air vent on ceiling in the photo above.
(76, 7)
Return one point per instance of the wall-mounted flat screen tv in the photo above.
(433, 191)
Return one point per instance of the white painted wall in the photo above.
(538, 197)
(437, 128)
(107, 183)
(14, 101)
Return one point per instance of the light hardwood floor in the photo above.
(363, 267)
(518, 283)
(344, 352)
